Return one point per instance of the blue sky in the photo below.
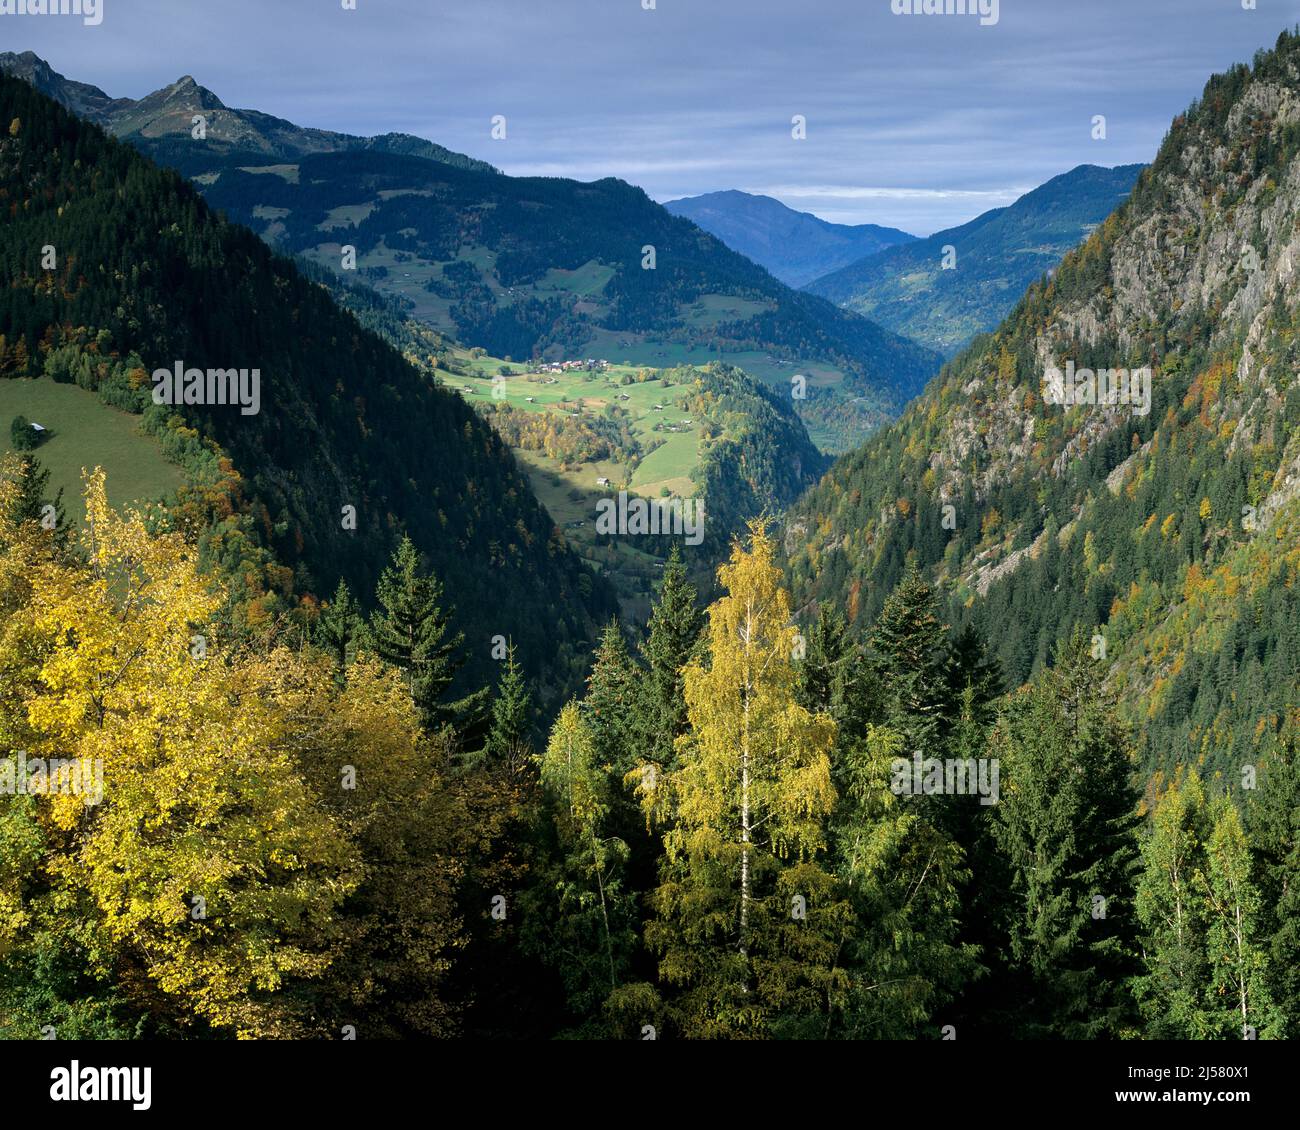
(918, 122)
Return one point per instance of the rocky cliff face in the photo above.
(1169, 533)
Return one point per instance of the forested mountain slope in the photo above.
(351, 445)
(756, 458)
(545, 267)
(993, 261)
(1172, 535)
(519, 266)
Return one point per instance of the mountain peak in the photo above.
(188, 93)
(167, 111)
(797, 247)
(79, 97)
(29, 59)
(1002, 252)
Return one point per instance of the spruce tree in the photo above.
(340, 626)
(981, 888)
(32, 498)
(512, 714)
(904, 876)
(675, 626)
(1066, 827)
(828, 668)
(612, 702)
(412, 633)
(835, 678)
(971, 667)
(912, 644)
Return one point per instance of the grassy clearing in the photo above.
(711, 310)
(85, 432)
(586, 281)
(284, 172)
(344, 215)
(634, 350)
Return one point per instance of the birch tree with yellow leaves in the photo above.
(749, 919)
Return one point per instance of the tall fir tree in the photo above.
(970, 666)
(676, 622)
(412, 632)
(912, 645)
(611, 704)
(835, 677)
(904, 877)
(512, 715)
(1066, 824)
(340, 627)
(32, 501)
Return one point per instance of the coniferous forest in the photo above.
(365, 709)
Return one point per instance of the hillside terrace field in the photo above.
(570, 493)
(649, 402)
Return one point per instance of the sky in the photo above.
(919, 122)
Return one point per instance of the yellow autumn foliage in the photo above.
(224, 842)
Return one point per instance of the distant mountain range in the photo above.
(520, 266)
(165, 119)
(795, 246)
(998, 256)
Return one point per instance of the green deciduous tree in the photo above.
(21, 435)
(1239, 995)
(1171, 992)
(1274, 824)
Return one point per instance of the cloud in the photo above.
(991, 198)
(927, 121)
